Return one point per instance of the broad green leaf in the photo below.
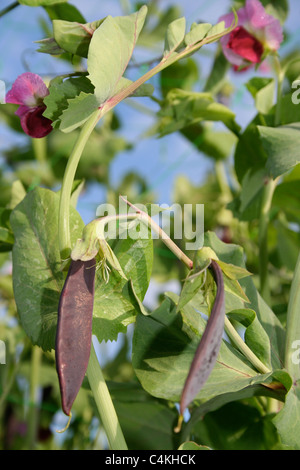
(189, 445)
(174, 35)
(60, 91)
(74, 37)
(38, 3)
(110, 50)
(293, 327)
(64, 11)
(144, 90)
(216, 29)
(231, 253)
(79, 110)
(217, 74)
(286, 198)
(255, 336)
(287, 421)
(37, 277)
(147, 423)
(164, 344)
(197, 33)
(232, 271)
(237, 426)
(183, 108)
(263, 91)
(115, 304)
(249, 152)
(247, 204)
(215, 144)
(281, 145)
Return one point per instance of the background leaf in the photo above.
(110, 50)
(37, 291)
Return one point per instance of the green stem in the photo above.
(104, 404)
(66, 190)
(33, 408)
(244, 349)
(145, 218)
(9, 8)
(293, 326)
(222, 180)
(264, 219)
(40, 149)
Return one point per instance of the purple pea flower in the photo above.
(29, 91)
(256, 35)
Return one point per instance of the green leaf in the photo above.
(74, 37)
(255, 336)
(110, 50)
(115, 306)
(237, 426)
(183, 108)
(174, 35)
(263, 91)
(146, 89)
(287, 421)
(147, 423)
(79, 110)
(281, 145)
(217, 74)
(64, 11)
(249, 152)
(37, 278)
(275, 332)
(164, 344)
(247, 205)
(60, 91)
(38, 3)
(219, 28)
(197, 33)
(189, 445)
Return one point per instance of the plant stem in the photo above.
(10, 7)
(40, 149)
(293, 325)
(264, 219)
(104, 404)
(244, 349)
(33, 408)
(145, 218)
(66, 189)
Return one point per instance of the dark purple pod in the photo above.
(209, 346)
(74, 330)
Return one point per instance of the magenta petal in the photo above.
(34, 123)
(28, 89)
(257, 15)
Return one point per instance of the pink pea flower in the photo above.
(29, 91)
(256, 35)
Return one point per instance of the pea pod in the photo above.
(74, 330)
(209, 346)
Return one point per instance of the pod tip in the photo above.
(67, 425)
(179, 424)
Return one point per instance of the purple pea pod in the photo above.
(209, 346)
(74, 330)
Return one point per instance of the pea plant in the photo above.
(214, 365)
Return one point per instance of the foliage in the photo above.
(251, 197)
